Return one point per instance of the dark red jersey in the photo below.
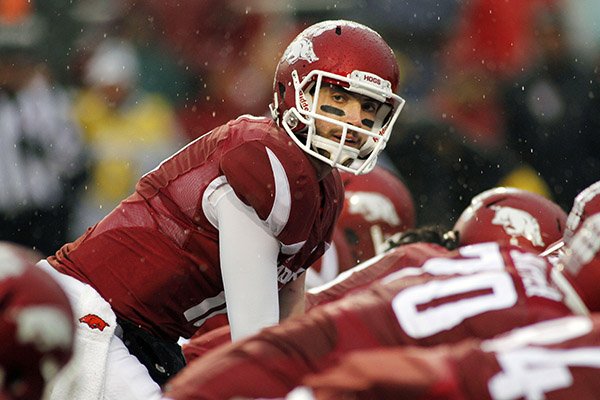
(155, 258)
(552, 360)
(36, 328)
(477, 291)
(410, 255)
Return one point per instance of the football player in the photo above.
(377, 207)
(553, 360)
(229, 224)
(558, 359)
(476, 291)
(36, 328)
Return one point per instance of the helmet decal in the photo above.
(300, 49)
(504, 214)
(33, 327)
(518, 223)
(377, 206)
(373, 207)
(11, 265)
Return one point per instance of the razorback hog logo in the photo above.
(93, 321)
(373, 207)
(300, 49)
(518, 223)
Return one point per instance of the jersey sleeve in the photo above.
(269, 364)
(402, 373)
(273, 362)
(277, 184)
(202, 343)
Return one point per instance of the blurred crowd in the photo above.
(93, 94)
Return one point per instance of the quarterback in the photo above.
(227, 226)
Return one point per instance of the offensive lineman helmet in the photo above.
(585, 204)
(376, 206)
(511, 215)
(345, 54)
(580, 261)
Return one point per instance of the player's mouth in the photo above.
(352, 140)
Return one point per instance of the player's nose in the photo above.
(354, 113)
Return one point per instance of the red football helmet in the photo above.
(580, 261)
(349, 55)
(586, 203)
(511, 215)
(36, 329)
(376, 206)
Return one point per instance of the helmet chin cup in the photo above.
(337, 154)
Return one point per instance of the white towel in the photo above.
(84, 377)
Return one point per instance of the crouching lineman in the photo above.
(554, 360)
(476, 291)
(36, 328)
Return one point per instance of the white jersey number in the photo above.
(427, 309)
(531, 372)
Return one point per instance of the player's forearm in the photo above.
(248, 267)
(291, 299)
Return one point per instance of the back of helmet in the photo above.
(513, 216)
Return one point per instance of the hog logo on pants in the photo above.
(518, 223)
(93, 321)
(373, 207)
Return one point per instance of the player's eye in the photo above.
(370, 106)
(338, 97)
